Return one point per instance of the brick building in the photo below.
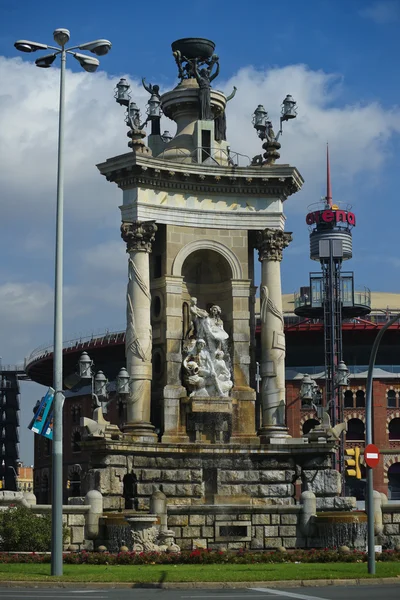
(305, 343)
(305, 354)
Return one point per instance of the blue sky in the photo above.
(338, 58)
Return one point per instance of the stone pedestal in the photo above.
(271, 243)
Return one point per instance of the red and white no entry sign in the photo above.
(371, 455)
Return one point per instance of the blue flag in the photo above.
(37, 425)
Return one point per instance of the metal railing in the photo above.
(11, 368)
(353, 369)
(216, 155)
(101, 336)
(360, 297)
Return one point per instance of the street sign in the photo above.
(371, 455)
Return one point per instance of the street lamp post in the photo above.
(89, 64)
(368, 440)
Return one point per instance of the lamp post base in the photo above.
(141, 431)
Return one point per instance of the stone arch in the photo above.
(309, 424)
(394, 414)
(355, 414)
(388, 462)
(355, 430)
(307, 417)
(392, 395)
(394, 430)
(74, 478)
(394, 482)
(230, 257)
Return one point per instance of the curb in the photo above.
(292, 583)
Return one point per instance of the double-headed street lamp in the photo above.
(89, 64)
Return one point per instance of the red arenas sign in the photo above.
(330, 216)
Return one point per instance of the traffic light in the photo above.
(352, 460)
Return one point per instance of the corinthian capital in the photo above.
(138, 236)
(271, 242)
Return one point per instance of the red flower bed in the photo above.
(202, 557)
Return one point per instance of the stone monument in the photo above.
(191, 221)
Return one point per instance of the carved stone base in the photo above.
(211, 405)
(272, 431)
(141, 432)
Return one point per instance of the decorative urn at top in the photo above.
(191, 48)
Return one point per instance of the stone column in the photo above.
(138, 344)
(270, 244)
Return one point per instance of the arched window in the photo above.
(391, 399)
(355, 430)
(309, 424)
(360, 398)
(348, 399)
(394, 429)
(394, 482)
(76, 440)
(75, 484)
(76, 414)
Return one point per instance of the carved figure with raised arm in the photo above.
(220, 120)
(152, 89)
(204, 78)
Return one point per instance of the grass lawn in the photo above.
(172, 573)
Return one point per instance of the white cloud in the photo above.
(94, 130)
(24, 303)
(382, 11)
(95, 262)
(358, 134)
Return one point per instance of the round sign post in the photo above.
(371, 455)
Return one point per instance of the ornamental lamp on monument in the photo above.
(85, 366)
(122, 94)
(123, 97)
(289, 110)
(133, 116)
(260, 118)
(342, 375)
(166, 137)
(265, 131)
(154, 107)
(100, 385)
(307, 388)
(123, 382)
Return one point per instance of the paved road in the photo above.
(370, 592)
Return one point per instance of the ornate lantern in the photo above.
(166, 137)
(154, 107)
(260, 118)
(100, 385)
(307, 387)
(85, 366)
(122, 95)
(123, 382)
(133, 116)
(289, 110)
(342, 375)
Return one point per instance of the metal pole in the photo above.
(57, 466)
(368, 440)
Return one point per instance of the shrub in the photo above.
(23, 531)
(204, 557)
